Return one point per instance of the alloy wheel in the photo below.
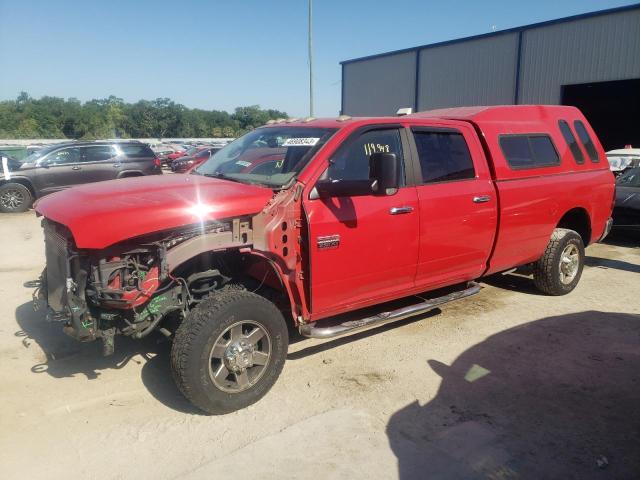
(239, 356)
(11, 199)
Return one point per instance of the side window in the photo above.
(98, 153)
(61, 157)
(587, 143)
(571, 142)
(444, 156)
(529, 151)
(137, 151)
(352, 162)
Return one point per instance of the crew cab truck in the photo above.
(346, 213)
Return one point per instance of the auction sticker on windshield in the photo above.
(300, 142)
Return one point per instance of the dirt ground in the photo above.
(503, 385)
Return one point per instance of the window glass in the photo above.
(571, 142)
(267, 168)
(517, 151)
(352, 162)
(544, 153)
(529, 151)
(98, 153)
(586, 141)
(136, 151)
(444, 156)
(630, 178)
(67, 155)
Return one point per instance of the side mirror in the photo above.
(383, 172)
(340, 188)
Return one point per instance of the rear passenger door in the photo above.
(98, 163)
(458, 204)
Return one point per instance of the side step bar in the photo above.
(312, 331)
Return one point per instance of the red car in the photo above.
(347, 213)
(186, 163)
(183, 153)
(177, 154)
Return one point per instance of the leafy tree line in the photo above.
(54, 117)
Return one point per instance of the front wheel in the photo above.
(15, 198)
(229, 351)
(559, 269)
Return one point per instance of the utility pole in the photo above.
(311, 58)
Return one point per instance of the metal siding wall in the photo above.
(379, 86)
(477, 72)
(588, 50)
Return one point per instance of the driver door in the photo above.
(363, 247)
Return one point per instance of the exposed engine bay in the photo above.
(129, 288)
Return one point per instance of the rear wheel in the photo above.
(14, 198)
(229, 351)
(559, 269)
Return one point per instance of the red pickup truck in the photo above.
(347, 213)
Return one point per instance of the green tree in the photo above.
(111, 117)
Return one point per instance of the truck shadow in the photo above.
(66, 357)
(554, 398)
(610, 263)
(512, 281)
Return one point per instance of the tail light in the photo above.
(157, 162)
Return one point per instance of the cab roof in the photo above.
(475, 114)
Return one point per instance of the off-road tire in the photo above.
(196, 335)
(17, 189)
(546, 271)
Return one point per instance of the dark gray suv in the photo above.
(67, 164)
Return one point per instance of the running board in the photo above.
(310, 330)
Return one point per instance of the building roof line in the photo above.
(625, 8)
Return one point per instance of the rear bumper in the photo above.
(607, 229)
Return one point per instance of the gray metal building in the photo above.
(591, 61)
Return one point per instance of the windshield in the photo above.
(33, 158)
(630, 178)
(270, 156)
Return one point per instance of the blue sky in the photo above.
(222, 54)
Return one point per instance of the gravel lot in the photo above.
(506, 384)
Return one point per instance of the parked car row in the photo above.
(197, 157)
(63, 165)
(169, 151)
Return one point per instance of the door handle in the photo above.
(76, 168)
(481, 199)
(400, 210)
(117, 165)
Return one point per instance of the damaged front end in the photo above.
(129, 288)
